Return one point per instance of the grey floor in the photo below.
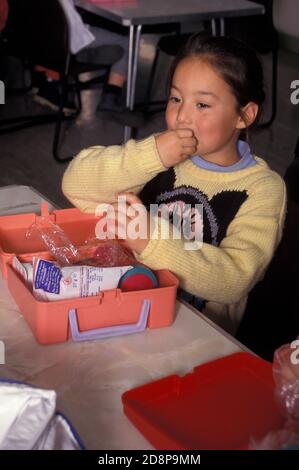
(25, 156)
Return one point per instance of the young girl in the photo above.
(216, 92)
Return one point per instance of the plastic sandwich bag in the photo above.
(286, 378)
(93, 252)
(28, 420)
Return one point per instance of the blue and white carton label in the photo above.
(52, 282)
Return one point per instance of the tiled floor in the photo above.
(25, 156)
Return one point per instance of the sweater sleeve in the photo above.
(226, 273)
(98, 173)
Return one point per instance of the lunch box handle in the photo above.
(110, 331)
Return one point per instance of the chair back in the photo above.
(37, 31)
(258, 31)
(271, 317)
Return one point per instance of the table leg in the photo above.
(135, 65)
(214, 28)
(134, 46)
(222, 27)
(130, 62)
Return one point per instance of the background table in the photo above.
(135, 14)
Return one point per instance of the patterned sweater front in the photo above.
(243, 214)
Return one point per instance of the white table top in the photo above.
(90, 377)
(168, 11)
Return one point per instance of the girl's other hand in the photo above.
(129, 221)
(175, 146)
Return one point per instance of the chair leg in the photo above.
(78, 93)
(61, 117)
(274, 89)
(55, 152)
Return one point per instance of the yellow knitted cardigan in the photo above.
(223, 274)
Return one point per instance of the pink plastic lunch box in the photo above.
(109, 313)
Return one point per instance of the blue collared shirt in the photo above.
(246, 160)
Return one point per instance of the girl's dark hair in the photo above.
(237, 64)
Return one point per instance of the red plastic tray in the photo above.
(220, 405)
